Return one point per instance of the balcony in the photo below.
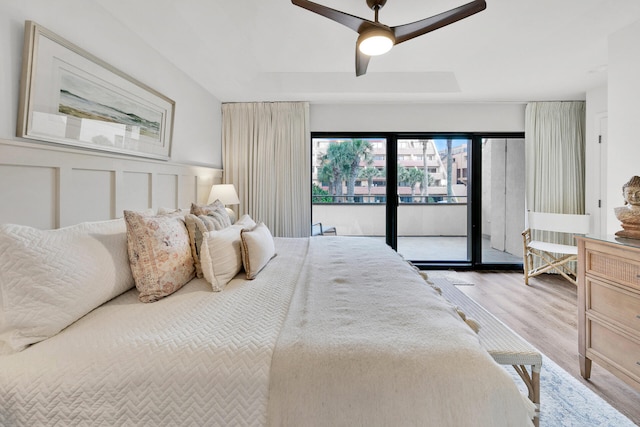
(426, 231)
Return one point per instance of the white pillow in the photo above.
(257, 249)
(220, 256)
(49, 279)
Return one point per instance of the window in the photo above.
(438, 218)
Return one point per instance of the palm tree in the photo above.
(369, 173)
(413, 176)
(402, 175)
(449, 171)
(325, 174)
(360, 150)
(424, 188)
(339, 158)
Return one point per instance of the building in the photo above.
(412, 154)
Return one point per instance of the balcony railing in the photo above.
(414, 219)
(365, 199)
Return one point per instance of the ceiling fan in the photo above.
(376, 38)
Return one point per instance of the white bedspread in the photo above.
(353, 350)
(195, 358)
(368, 343)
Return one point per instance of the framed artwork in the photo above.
(70, 97)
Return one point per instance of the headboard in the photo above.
(46, 186)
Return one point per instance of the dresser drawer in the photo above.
(613, 303)
(613, 267)
(618, 350)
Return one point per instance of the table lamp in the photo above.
(227, 195)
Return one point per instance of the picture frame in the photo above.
(70, 97)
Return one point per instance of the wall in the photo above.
(506, 207)
(55, 187)
(470, 117)
(595, 158)
(197, 124)
(49, 186)
(623, 149)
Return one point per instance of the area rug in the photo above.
(451, 275)
(565, 402)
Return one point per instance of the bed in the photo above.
(330, 331)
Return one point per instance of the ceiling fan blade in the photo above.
(408, 31)
(351, 21)
(362, 62)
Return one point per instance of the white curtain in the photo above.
(555, 159)
(266, 153)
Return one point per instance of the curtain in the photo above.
(266, 153)
(555, 160)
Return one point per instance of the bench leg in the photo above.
(533, 387)
(536, 396)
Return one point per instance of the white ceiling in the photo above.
(271, 50)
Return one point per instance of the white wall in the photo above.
(595, 158)
(49, 186)
(417, 117)
(623, 150)
(197, 125)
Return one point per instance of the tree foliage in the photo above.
(342, 163)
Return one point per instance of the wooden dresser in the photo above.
(609, 306)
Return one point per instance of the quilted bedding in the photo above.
(195, 358)
(210, 358)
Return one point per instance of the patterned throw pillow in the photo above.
(258, 248)
(216, 210)
(159, 254)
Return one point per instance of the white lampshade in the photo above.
(226, 193)
(376, 41)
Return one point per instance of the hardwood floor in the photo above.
(545, 314)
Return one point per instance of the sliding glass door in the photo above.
(440, 200)
(503, 200)
(432, 214)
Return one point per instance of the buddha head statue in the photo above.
(631, 191)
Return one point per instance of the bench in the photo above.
(503, 344)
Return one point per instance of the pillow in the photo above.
(164, 211)
(220, 253)
(51, 278)
(246, 222)
(215, 210)
(159, 254)
(257, 249)
(196, 227)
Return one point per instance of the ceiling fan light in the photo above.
(375, 42)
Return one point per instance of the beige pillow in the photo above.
(159, 254)
(220, 256)
(215, 210)
(221, 259)
(197, 226)
(258, 248)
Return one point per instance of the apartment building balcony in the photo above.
(426, 231)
